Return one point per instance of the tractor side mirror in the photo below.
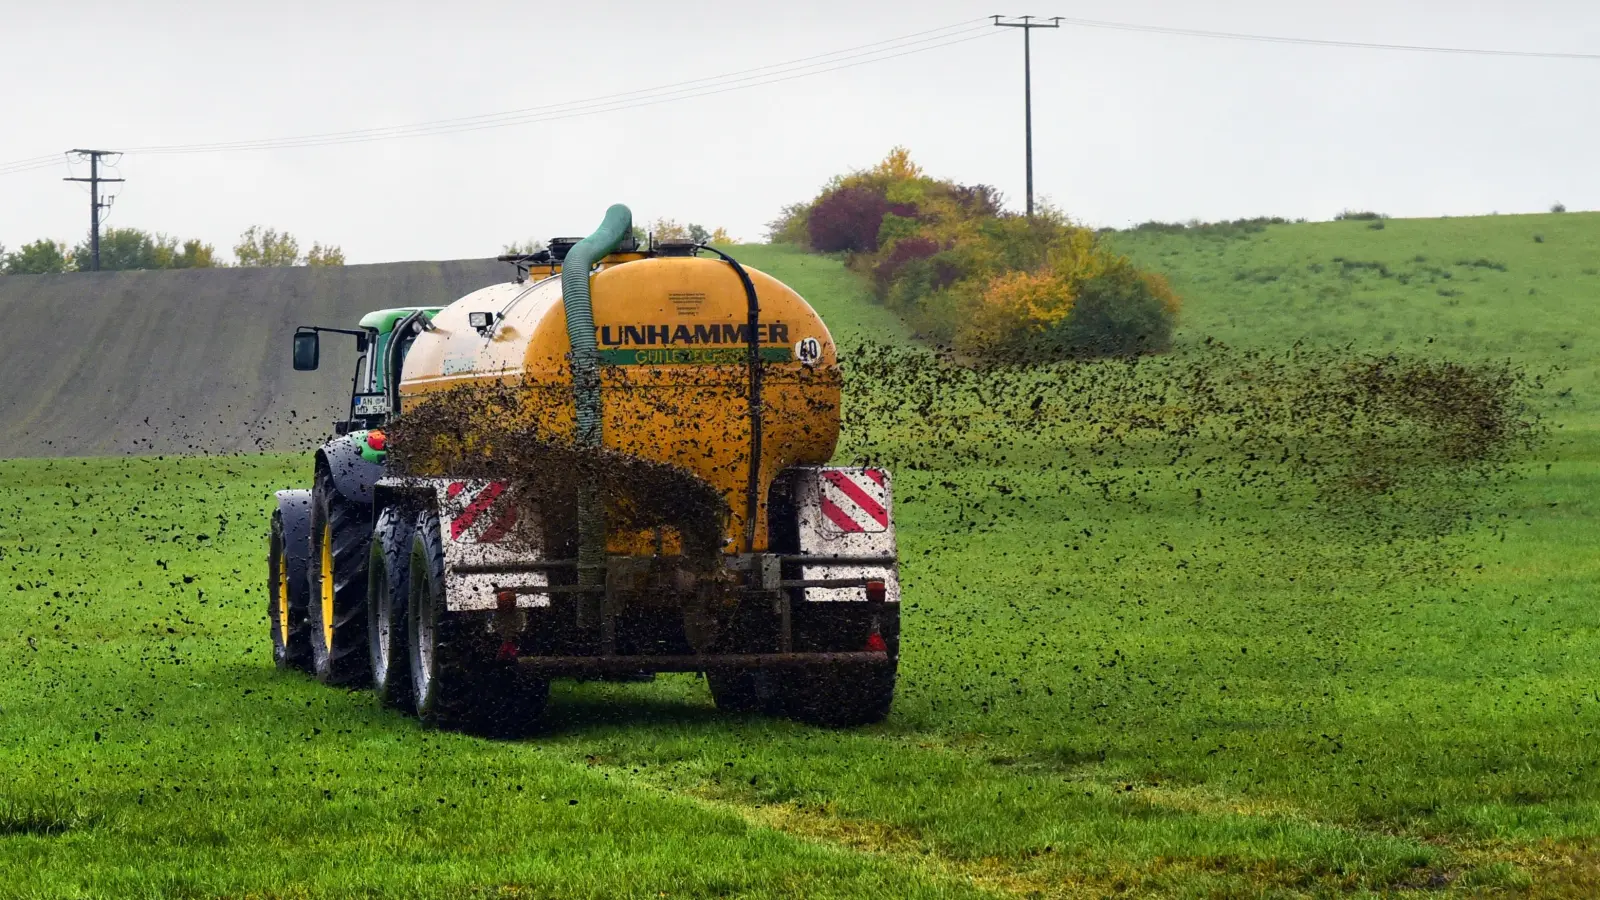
(306, 350)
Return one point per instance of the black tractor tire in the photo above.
(337, 614)
(457, 679)
(388, 593)
(286, 605)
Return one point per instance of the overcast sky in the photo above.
(1127, 126)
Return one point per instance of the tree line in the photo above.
(122, 249)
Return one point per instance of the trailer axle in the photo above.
(591, 665)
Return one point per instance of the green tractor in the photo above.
(328, 528)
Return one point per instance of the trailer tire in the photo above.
(388, 593)
(286, 602)
(841, 696)
(739, 691)
(456, 677)
(337, 615)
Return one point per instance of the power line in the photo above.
(1320, 42)
(28, 165)
(469, 122)
(577, 108)
(772, 73)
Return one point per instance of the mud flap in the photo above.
(846, 512)
(487, 549)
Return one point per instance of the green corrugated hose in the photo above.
(618, 224)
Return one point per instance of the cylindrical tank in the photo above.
(675, 377)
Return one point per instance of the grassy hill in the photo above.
(1525, 288)
(1132, 665)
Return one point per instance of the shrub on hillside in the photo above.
(1120, 313)
(1015, 311)
(992, 284)
(894, 261)
(847, 220)
(792, 226)
(1034, 316)
(1235, 228)
(1159, 227)
(978, 200)
(1081, 302)
(919, 283)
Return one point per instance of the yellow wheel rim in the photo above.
(283, 597)
(325, 582)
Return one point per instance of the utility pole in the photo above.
(95, 205)
(1027, 25)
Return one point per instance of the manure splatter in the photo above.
(453, 433)
(1384, 456)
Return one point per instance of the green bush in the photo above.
(42, 257)
(791, 226)
(1117, 314)
(1237, 228)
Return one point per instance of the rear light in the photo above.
(875, 644)
(505, 604)
(877, 591)
(377, 441)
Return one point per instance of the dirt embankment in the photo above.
(192, 361)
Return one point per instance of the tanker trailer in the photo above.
(619, 465)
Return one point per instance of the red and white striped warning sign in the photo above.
(856, 500)
(477, 519)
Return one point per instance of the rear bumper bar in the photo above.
(592, 665)
(737, 562)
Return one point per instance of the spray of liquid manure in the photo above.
(1383, 456)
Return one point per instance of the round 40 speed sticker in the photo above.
(808, 351)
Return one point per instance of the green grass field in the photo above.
(1104, 692)
(1512, 287)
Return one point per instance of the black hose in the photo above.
(391, 361)
(753, 490)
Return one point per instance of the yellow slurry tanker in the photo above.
(614, 465)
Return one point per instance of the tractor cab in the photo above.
(382, 340)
